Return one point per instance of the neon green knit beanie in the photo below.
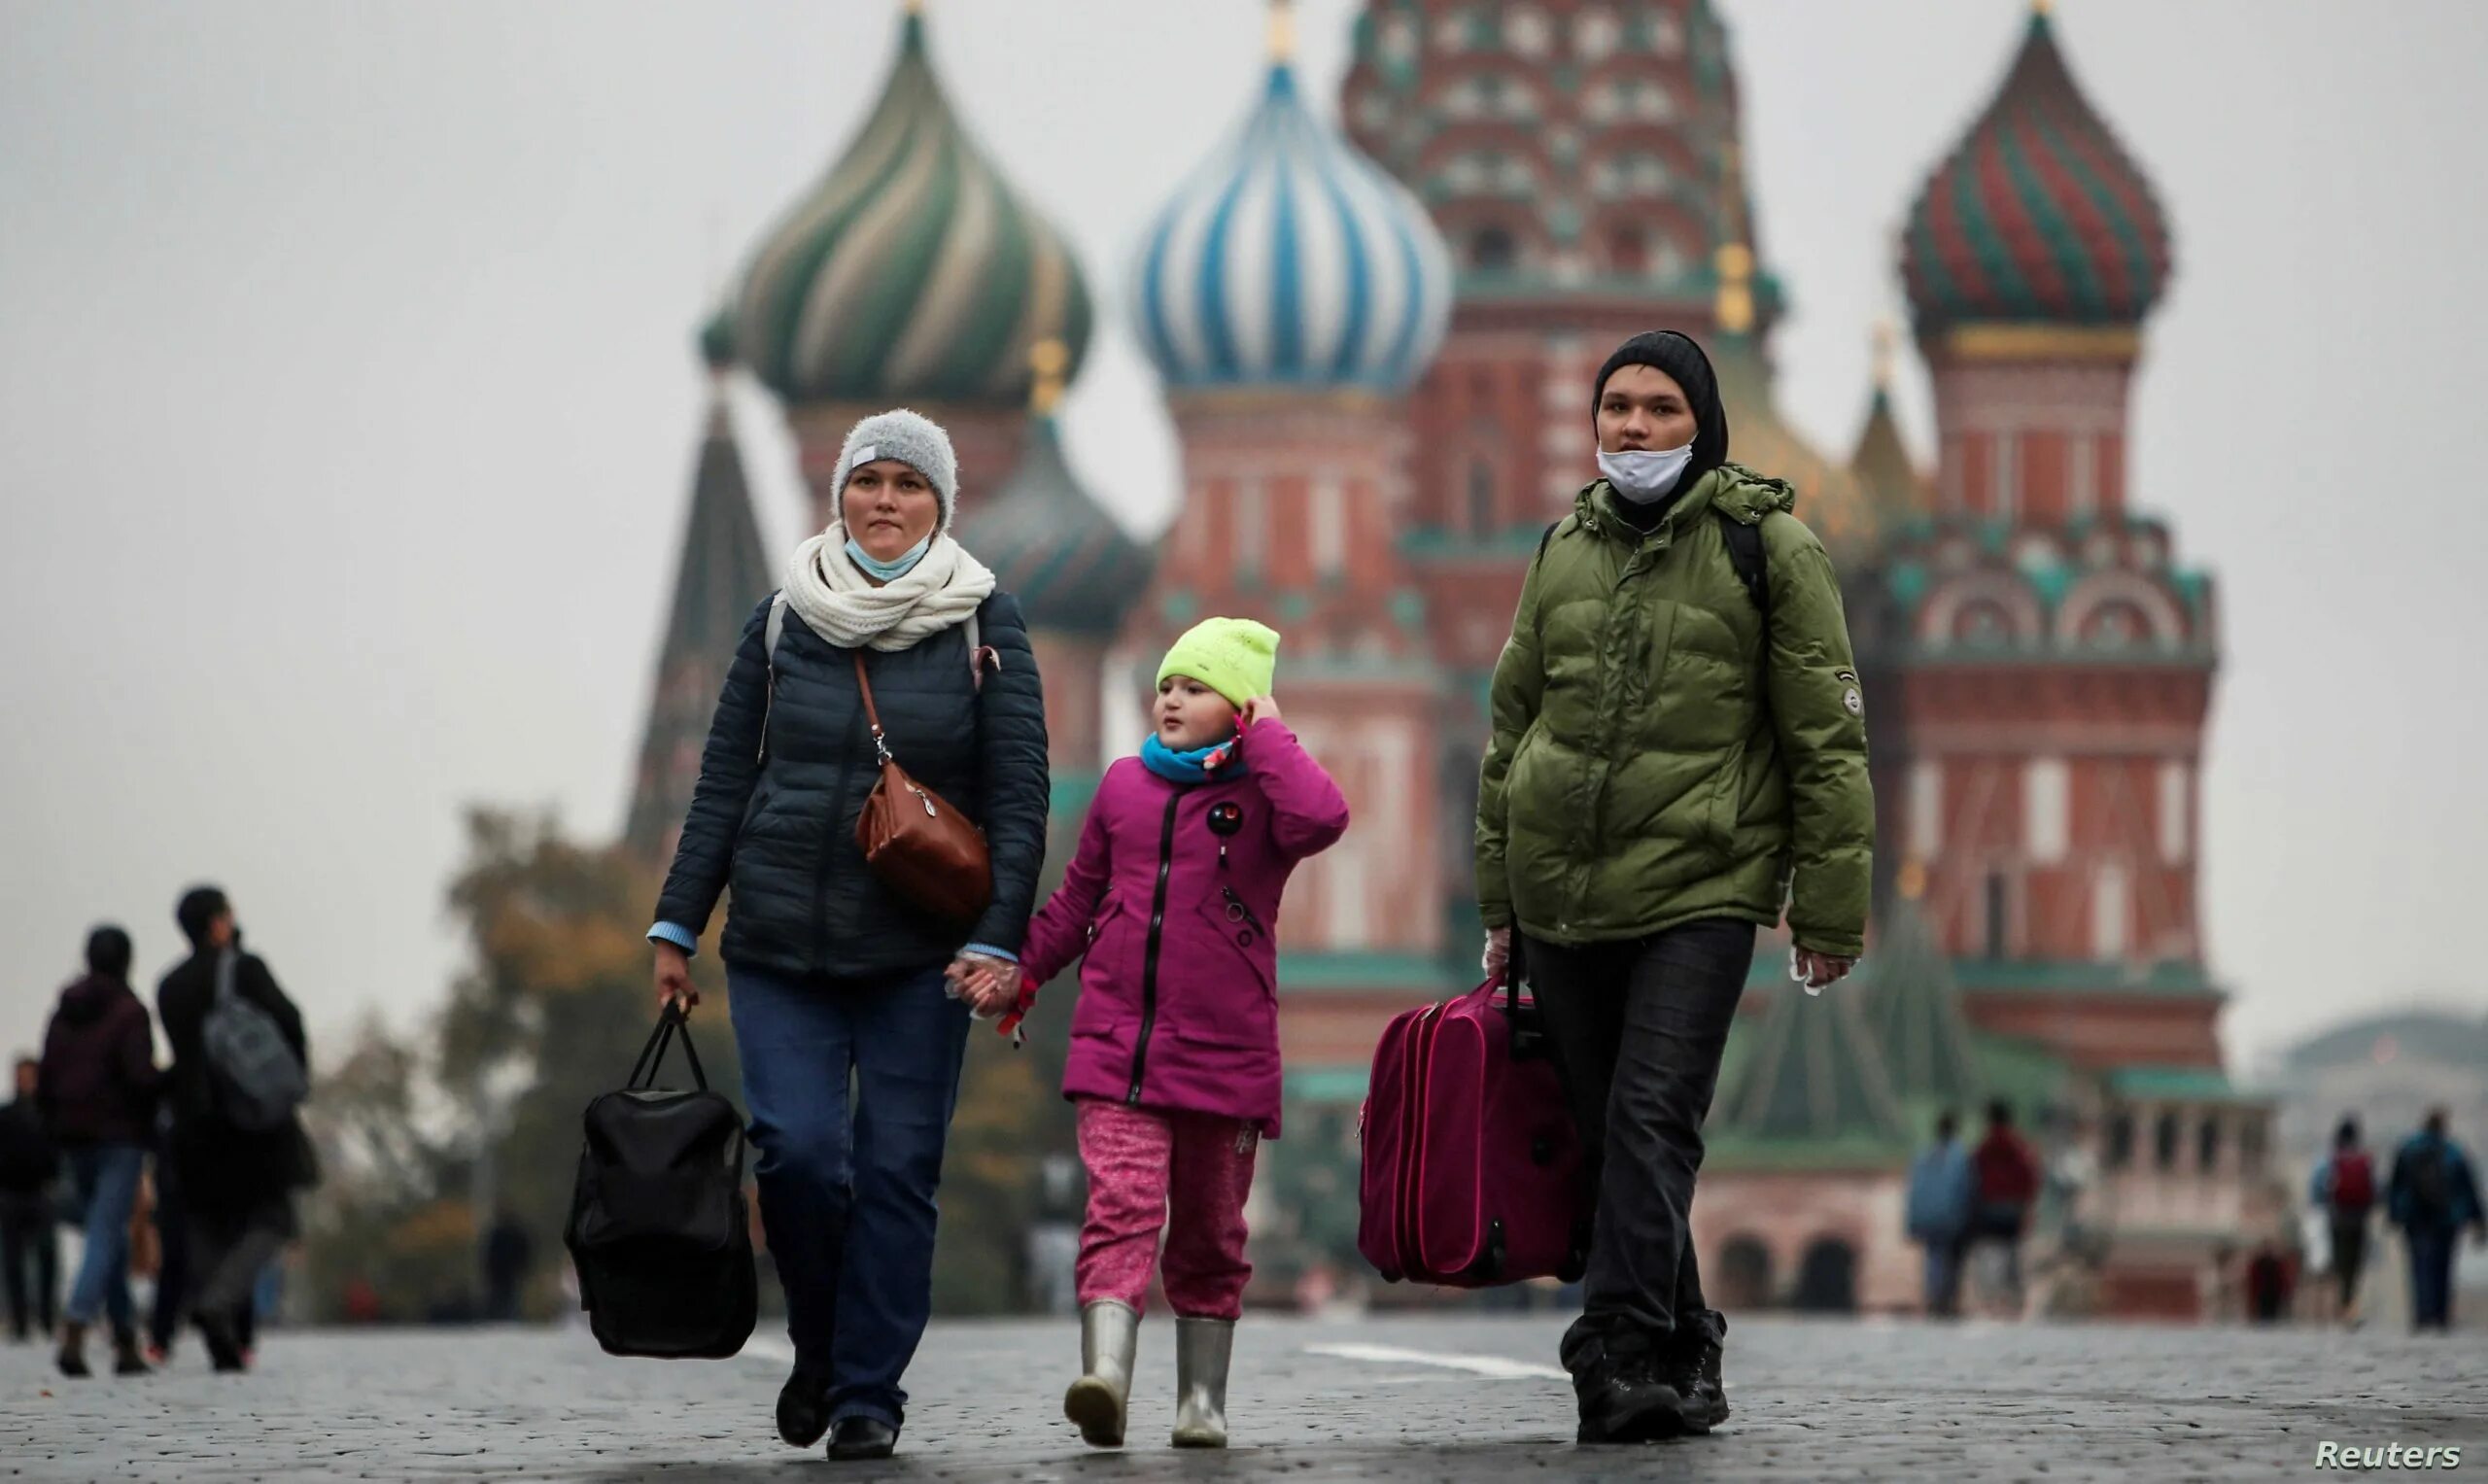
(1235, 657)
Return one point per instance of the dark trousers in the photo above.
(2431, 1276)
(849, 1202)
(2349, 1255)
(173, 1273)
(229, 1248)
(1636, 1029)
(30, 1254)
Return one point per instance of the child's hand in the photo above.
(1259, 708)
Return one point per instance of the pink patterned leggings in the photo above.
(1186, 1172)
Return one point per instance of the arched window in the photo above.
(2121, 1140)
(2163, 1139)
(1491, 249)
(2208, 1145)
(1998, 913)
(1745, 1273)
(1827, 1278)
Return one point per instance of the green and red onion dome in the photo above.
(2037, 215)
(912, 271)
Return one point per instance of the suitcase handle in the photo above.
(1528, 1038)
(669, 1022)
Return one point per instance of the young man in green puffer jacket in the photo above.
(1676, 756)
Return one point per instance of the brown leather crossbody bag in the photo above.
(919, 843)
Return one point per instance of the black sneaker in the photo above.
(863, 1437)
(802, 1408)
(1693, 1369)
(1628, 1399)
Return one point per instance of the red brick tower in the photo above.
(2056, 661)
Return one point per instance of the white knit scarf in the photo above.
(835, 600)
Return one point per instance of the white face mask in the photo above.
(1641, 474)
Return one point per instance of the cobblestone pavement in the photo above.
(1400, 1399)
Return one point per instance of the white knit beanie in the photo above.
(915, 441)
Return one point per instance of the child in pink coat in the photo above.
(1174, 1056)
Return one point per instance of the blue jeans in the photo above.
(106, 1176)
(847, 1203)
(1943, 1276)
(2431, 1275)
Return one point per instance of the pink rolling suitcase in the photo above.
(1472, 1170)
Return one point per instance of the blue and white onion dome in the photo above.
(1291, 260)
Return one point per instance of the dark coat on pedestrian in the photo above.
(782, 834)
(98, 1082)
(29, 1160)
(221, 1167)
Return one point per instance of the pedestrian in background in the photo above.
(237, 1182)
(2008, 1182)
(2344, 1190)
(850, 1035)
(1174, 1064)
(30, 1249)
(507, 1257)
(97, 1090)
(2432, 1197)
(172, 1239)
(1943, 1190)
(1677, 756)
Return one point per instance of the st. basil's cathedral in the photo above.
(1376, 350)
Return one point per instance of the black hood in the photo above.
(1677, 355)
(87, 1001)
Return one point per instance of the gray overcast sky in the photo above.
(347, 408)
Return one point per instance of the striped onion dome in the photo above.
(912, 271)
(1289, 260)
(1051, 544)
(2037, 215)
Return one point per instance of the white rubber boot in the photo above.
(1202, 1347)
(1098, 1401)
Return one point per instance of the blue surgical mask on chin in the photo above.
(1641, 474)
(889, 571)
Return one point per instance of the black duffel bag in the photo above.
(658, 1228)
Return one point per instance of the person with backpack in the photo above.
(96, 1090)
(889, 676)
(2344, 1190)
(2008, 1186)
(2432, 1197)
(240, 1069)
(29, 1252)
(1943, 1185)
(1677, 753)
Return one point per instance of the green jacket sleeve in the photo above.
(1519, 683)
(1820, 710)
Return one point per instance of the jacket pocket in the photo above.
(1234, 1001)
(1719, 817)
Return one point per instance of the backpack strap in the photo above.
(771, 631)
(1548, 536)
(228, 969)
(980, 653)
(1747, 556)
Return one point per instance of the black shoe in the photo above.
(223, 1352)
(858, 1438)
(72, 1359)
(1628, 1399)
(802, 1408)
(1693, 1369)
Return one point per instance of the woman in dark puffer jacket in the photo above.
(838, 986)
